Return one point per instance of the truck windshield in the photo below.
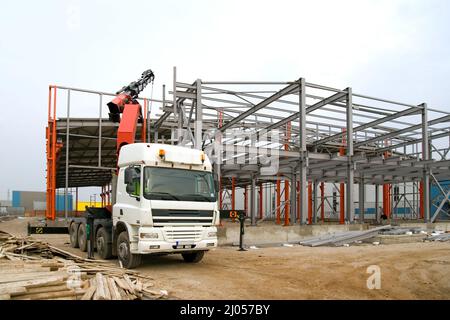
(178, 184)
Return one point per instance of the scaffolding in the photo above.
(292, 141)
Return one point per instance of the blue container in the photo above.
(16, 199)
(436, 194)
(60, 202)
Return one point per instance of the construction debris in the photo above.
(339, 239)
(402, 230)
(439, 237)
(33, 270)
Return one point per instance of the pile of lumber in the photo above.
(33, 270)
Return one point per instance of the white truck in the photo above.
(164, 201)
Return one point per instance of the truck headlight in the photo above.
(212, 234)
(148, 235)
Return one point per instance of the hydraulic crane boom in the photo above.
(126, 103)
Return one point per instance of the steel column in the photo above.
(350, 166)
(377, 203)
(322, 202)
(198, 117)
(315, 204)
(362, 196)
(252, 201)
(303, 159)
(293, 198)
(66, 196)
(233, 193)
(260, 200)
(342, 192)
(425, 156)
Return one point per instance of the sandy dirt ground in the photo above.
(408, 271)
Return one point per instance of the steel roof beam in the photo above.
(285, 91)
(396, 133)
(335, 97)
(371, 124)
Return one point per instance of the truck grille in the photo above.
(169, 217)
(183, 235)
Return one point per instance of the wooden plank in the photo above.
(88, 295)
(115, 295)
(13, 290)
(106, 286)
(123, 294)
(129, 283)
(35, 283)
(29, 276)
(122, 284)
(100, 293)
(50, 295)
(55, 288)
(5, 296)
(23, 270)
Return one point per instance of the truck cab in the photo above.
(165, 202)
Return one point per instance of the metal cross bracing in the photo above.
(319, 135)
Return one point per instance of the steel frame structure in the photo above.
(318, 133)
(325, 135)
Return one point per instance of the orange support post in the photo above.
(278, 220)
(342, 186)
(51, 155)
(387, 195)
(260, 201)
(310, 209)
(233, 193)
(322, 201)
(47, 137)
(286, 202)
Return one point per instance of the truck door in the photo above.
(129, 197)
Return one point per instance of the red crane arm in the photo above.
(126, 103)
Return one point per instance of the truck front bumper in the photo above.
(177, 240)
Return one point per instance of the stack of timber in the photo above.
(34, 270)
(343, 238)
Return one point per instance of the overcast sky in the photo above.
(392, 49)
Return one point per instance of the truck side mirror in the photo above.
(128, 176)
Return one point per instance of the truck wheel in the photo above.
(124, 254)
(104, 246)
(82, 239)
(73, 232)
(193, 257)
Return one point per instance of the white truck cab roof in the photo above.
(164, 155)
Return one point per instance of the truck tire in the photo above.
(73, 232)
(104, 245)
(193, 257)
(124, 254)
(82, 239)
